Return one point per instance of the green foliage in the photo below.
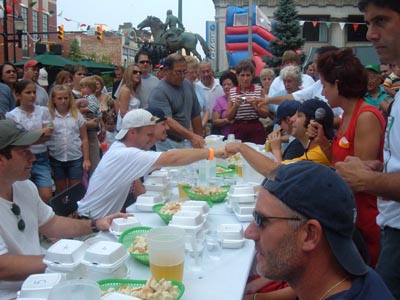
(75, 53)
(287, 31)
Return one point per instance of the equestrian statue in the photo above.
(175, 38)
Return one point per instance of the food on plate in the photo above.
(171, 208)
(139, 245)
(207, 190)
(157, 290)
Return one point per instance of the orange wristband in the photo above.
(211, 155)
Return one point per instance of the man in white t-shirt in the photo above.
(127, 160)
(24, 215)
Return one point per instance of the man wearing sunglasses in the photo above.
(303, 227)
(24, 215)
(148, 81)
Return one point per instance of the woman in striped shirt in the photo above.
(246, 126)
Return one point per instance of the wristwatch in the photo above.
(93, 226)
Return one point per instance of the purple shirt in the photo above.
(221, 105)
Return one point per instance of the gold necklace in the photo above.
(333, 287)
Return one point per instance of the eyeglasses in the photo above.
(180, 73)
(259, 219)
(142, 62)
(17, 212)
(135, 72)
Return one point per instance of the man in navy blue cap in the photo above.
(300, 121)
(294, 148)
(303, 226)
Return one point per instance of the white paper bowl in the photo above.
(119, 225)
(39, 285)
(230, 231)
(105, 256)
(65, 255)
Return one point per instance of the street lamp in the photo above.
(19, 26)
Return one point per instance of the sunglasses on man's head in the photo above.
(17, 212)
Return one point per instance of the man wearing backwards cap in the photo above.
(303, 225)
(24, 215)
(31, 71)
(127, 160)
(306, 111)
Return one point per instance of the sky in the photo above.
(116, 12)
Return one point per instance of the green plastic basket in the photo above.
(215, 198)
(165, 217)
(117, 283)
(225, 172)
(128, 236)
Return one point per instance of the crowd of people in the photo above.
(326, 222)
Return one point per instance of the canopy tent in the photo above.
(48, 59)
(93, 66)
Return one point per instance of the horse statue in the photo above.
(185, 40)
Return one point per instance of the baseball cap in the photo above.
(286, 109)
(32, 63)
(158, 112)
(374, 68)
(319, 193)
(134, 119)
(42, 79)
(309, 107)
(14, 134)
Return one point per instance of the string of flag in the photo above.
(328, 24)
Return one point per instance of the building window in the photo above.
(24, 14)
(35, 24)
(45, 37)
(317, 33)
(361, 33)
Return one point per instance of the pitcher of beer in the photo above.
(166, 248)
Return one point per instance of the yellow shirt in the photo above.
(314, 154)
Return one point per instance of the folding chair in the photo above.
(65, 203)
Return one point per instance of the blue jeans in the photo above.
(71, 169)
(389, 260)
(41, 172)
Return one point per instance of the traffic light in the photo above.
(99, 33)
(60, 32)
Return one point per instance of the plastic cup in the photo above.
(77, 289)
(166, 248)
(104, 146)
(182, 194)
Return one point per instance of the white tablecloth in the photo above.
(223, 278)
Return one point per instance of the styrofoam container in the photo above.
(233, 244)
(105, 256)
(121, 273)
(82, 289)
(65, 255)
(78, 273)
(243, 189)
(190, 221)
(156, 187)
(146, 201)
(119, 225)
(243, 218)
(39, 285)
(200, 206)
(214, 137)
(250, 198)
(156, 180)
(118, 296)
(244, 208)
(230, 231)
(162, 173)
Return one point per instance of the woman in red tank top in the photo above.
(361, 130)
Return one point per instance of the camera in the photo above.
(243, 99)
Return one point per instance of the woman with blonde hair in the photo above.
(128, 98)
